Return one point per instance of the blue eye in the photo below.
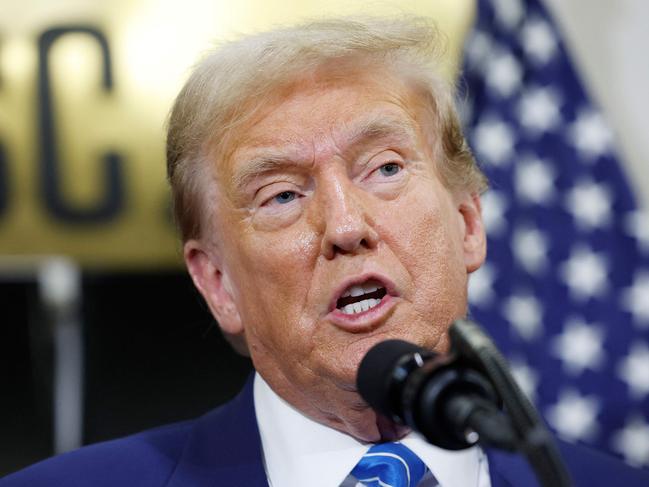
(390, 169)
(285, 197)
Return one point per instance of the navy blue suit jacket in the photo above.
(223, 448)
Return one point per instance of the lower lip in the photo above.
(364, 320)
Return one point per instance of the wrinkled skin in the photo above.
(337, 201)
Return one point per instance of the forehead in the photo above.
(332, 107)
(319, 118)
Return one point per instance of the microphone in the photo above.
(456, 400)
(452, 404)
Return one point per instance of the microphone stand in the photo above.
(523, 428)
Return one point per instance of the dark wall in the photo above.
(153, 355)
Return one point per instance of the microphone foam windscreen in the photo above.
(375, 373)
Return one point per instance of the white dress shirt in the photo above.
(299, 451)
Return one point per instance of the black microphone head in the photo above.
(379, 370)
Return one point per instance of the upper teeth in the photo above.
(360, 289)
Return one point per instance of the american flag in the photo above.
(565, 289)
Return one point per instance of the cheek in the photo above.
(431, 250)
(275, 274)
(275, 259)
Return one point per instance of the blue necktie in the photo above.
(389, 464)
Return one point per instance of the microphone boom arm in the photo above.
(534, 440)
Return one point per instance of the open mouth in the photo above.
(359, 298)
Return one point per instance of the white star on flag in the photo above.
(590, 204)
(574, 415)
(534, 181)
(524, 312)
(503, 74)
(495, 140)
(530, 249)
(579, 346)
(525, 376)
(591, 135)
(633, 441)
(635, 299)
(585, 273)
(538, 110)
(481, 286)
(478, 48)
(539, 40)
(494, 205)
(509, 12)
(636, 225)
(634, 370)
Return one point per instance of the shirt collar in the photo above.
(297, 448)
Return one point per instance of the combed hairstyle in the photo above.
(230, 83)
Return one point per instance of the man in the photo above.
(327, 201)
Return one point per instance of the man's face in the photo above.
(334, 232)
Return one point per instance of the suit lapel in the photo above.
(224, 448)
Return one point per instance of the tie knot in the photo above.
(391, 464)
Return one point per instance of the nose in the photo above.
(348, 226)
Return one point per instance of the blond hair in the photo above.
(227, 85)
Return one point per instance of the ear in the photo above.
(474, 238)
(214, 284)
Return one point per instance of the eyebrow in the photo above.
(365, 132)
(258, 166)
